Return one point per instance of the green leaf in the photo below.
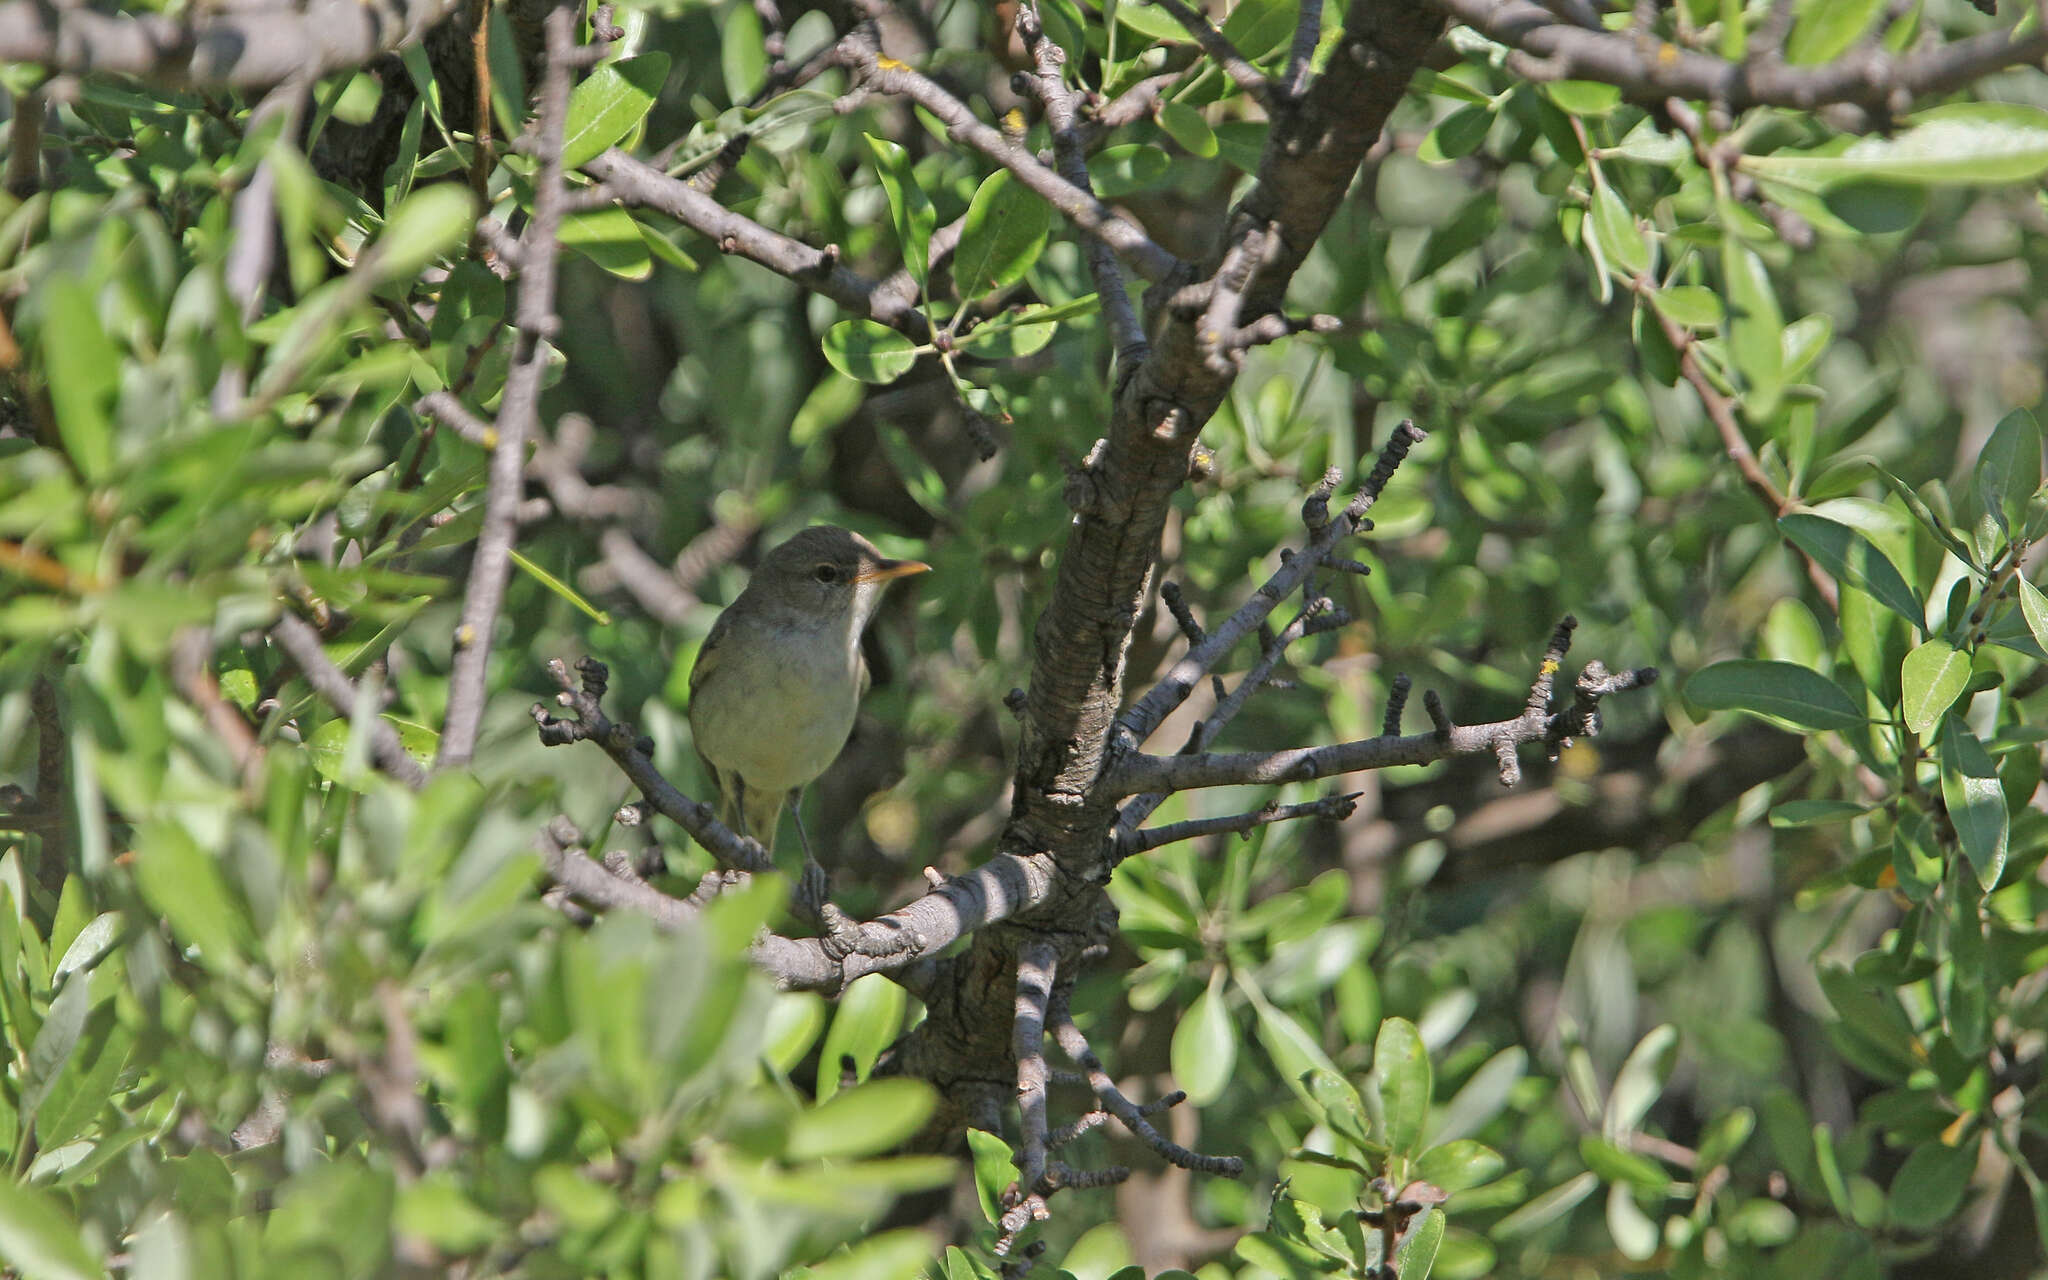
(1640, 1080)
(1003, 235)
(1417, 1253)
(1929, 1186)
(742, 51)
(55, 1040)
(869, 350)
(1795, 694)
(431, 222)
(1583, 97)
(1617, 229)
(1128, 167)
(1756, 329)
(1546, 1208)
(1816, 813)
(1008, 338)
(909, 207)
(2034, 606)
(1293, 1049)
(867, 1120)
(83, 365)
(1826, 28)
(1400, 1063)
(437, 1210)
(1725, 1137)
(1635, 1236)
(878, 1257)
(610, 238)
(869, 1017)
(1932, 677)
(1968, 142)
(1975, 801)
(1804, 341)
(993, 1170)
(1854, 561)
(1185, 125)
(1694, 306)
(1259, 27)
(2009, 470)
(609, 102)
(38, 1236)
(1457, 134)
(1204, 1052)
(1456, 1166)
(184, 883)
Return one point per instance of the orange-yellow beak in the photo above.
(889, 569)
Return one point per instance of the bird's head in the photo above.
(826, 572)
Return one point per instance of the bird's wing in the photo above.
(708, 655)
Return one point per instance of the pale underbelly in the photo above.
(778, 731)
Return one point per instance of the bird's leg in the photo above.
(841, 933)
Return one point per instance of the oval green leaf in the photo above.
(1964, 143)
(1204, 1051)
(1854, 561)
(1003, 235)
(864, 1121)
(1778, 689)
(1933, 676)
(869, 350)
(1184, 124)
(1975, 801)
(1400, 1063)
(609, 102)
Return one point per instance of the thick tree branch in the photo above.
(519, 409)
(227, 46)
(1648, 70)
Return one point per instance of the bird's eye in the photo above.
(826, 573)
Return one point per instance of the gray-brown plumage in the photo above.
(776, 685)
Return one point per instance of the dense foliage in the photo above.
(1751, 984)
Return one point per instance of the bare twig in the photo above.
(1180, 680)
(1721, 412)
(1070, 152)
(886, 75)
(1648, 71)
(1308, 32)
(1127, 1112)
(1037, 964)
(1220, 50)
(301, 644)
(1148, 773)
(819, 270)
(519, 409)
(1130, 843)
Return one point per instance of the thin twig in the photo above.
(301, 644)
(519, 409)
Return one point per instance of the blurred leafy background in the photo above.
(1717, 996)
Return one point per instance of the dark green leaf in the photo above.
(609, 102)
(1975, 801)
(1851, 558)
(1457, 134)
(1805, 698)
(1929, 1186)
(909, 207)
(2009, 470)
(1826, 28)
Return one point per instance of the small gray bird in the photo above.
(775, 687)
